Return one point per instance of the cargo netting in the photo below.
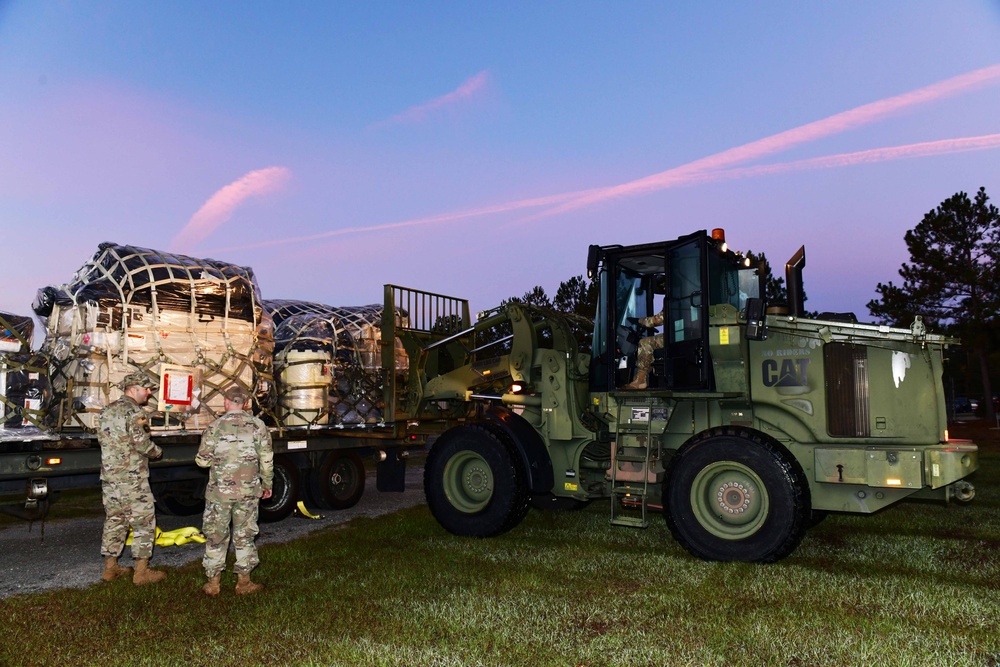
(134, 309)
(328, 363)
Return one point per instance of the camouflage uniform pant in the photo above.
(644, 359)
(127, 504)
(242, 513)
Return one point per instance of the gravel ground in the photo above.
(66, 553)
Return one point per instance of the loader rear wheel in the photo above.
(474, 482)
(284, 491)
(735, 495)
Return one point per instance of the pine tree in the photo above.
(952, 276)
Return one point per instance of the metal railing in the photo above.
(427, 312)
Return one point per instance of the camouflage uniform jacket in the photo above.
(126, 447)
(653, 320)
(237, 449)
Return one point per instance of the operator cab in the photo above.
(662, 291)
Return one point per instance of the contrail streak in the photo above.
(220, 206)
(835, 124)
(714, 167)
(924, 149)
(467, 89)
(444, 217)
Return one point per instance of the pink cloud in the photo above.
(466, 90)
(220, 206)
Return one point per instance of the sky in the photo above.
(477, 149)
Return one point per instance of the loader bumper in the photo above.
(947, 464)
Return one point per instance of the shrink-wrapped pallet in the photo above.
(328, 363)
(194, 326)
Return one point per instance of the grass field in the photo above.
(918, 584)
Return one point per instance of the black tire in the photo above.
(181, 498)
(284, 491)
(736, 495)
(817, 517)
(474, 482)
(338, 482)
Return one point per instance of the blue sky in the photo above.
(477, 149)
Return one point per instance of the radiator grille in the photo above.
(847, 390)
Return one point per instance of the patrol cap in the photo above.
(138, 379)
(237, 394)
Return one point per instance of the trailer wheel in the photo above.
(173, 504)
(474, 483)
(179, 498)
(338, 482)
(735, 495)
(284, 491)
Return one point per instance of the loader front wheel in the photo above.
(474, 482)
(735, 495)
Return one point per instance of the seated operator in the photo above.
(646, 347)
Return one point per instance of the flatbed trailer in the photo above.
(321, 465)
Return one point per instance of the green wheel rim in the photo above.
(468, 482)
(729, 500)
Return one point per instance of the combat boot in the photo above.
(213, 586)
(639, 382)
(112, 570)
(244, 586)
(146, 575)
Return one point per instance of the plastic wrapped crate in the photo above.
(15, 332)
(25, 393)
(131, 308)
(336, 350)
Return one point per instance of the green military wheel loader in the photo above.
(746, 423)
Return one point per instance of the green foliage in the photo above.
(447, 324)
(775, 292)
(576, 297)
(953, 269)
(916, 585)
(773, 286)
(951, 278)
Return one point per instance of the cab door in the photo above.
(685, 318)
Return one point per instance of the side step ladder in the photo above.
(633, 492)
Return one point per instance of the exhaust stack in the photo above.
(793, 279)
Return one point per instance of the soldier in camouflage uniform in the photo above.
(646, 346)
(126, 448)
(237, 449)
